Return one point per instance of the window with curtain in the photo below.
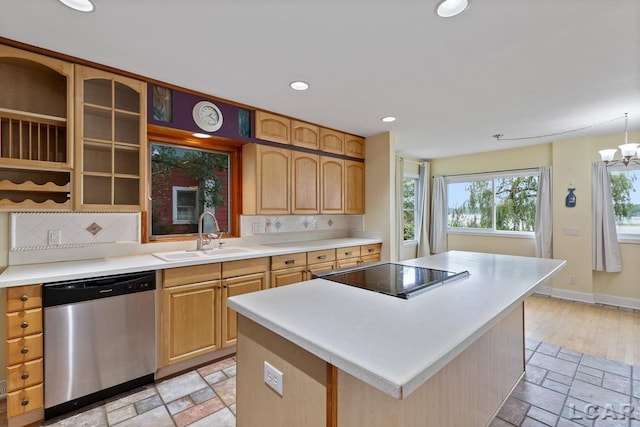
(625, 191)
(500, 202)
(409, 207)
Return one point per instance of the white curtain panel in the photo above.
(544, 215)
(439, 216)
(606, 252)
(422, 225)
(399, 210)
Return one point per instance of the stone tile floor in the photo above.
(565, 388)
(198, 398)
(561, 388)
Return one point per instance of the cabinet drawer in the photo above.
(191, 274)
(316, 257)
(288, 276)
(24, 400)
(24, 297)
(287, 261)
(243, 267)
(368, 259)
(24, 322)
(348, 263)
(348, 252)
(324, 267)
(24, 375)
(20, 350)
(375, 248)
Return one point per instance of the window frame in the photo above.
(415, 178)
(183, 139)
(490, 176)
(626, 237)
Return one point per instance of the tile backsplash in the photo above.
(50, 230)
(253, 225)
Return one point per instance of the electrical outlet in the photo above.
(273, 377)
(55, 237)
(572, 280)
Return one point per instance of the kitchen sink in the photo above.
(209, 253)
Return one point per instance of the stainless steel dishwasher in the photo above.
(99, 339)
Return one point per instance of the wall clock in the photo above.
(207, 116)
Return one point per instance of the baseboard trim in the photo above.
(621, 302)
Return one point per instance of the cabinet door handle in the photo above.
(370, 250)
(348, 253)
(25, 376)
(24, 325)
(290, 261)
(24, 298)
(224, 286)
(25, 350)
(25, 402)
(322, 257)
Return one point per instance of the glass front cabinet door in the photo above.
(110, 131)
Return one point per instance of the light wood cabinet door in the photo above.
(266, 180)
(110, 141)
(324, 267)
(332, 185)
(272, 127)
(354, 146)
(24, 400)
(305, 184)
(190, 321)
(288, 276)
(233, 287)
(354, 187)
(305, 134)
(331, 141)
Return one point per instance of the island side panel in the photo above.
(466, 392)
(304, 400)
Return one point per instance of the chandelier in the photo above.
(630, 152)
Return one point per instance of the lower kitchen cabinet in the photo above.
(288, 269)
(190, 325)
(25, 398)
(195, 316)
(354, 256)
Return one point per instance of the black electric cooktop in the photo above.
(402, 281)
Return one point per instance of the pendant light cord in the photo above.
(499, 136)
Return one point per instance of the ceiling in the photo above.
(519, 68)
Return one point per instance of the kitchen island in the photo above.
(351, 357)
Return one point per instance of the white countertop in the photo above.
(390, 343)
(70, 270)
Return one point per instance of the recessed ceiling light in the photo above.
(79, 5)
(388, 119)
(299, 85)
(201, 135)
(450, 8)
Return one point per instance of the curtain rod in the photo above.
(489, 172)
(412, 161)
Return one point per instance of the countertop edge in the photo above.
(29, 274)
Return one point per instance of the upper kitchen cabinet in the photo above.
(332, 185)
(35, 139)
(354, 146)
(266, 180)
(272, 127)
(305, 183)
(354, 187)
(331, 141)
(305, 135)
(110, 131)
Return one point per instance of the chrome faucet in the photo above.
(201, 242)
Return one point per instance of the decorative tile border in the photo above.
(251, 225)
(31, 231)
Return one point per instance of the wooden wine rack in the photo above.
(22, 189)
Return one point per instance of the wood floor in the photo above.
(601, 331)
